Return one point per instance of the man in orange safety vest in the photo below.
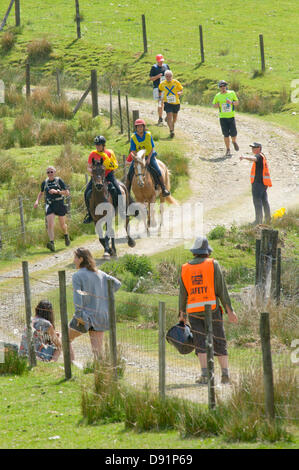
(202, 283)
(260, 180)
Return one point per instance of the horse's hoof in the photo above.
(131, 243)
(106, 255)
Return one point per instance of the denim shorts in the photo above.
(46, 353)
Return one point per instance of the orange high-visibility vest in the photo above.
(198, 280)
(266, 174)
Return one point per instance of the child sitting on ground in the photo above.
(46, 340)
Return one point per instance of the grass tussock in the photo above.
(39, 49)
(240, 418)
(13, 364)
(8, 40)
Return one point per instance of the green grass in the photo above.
(43, 405)
(113, 32)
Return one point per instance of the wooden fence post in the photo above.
(78, 21)
(128, 118)
(21, 210)
(202, 53)
(262, 52)
(135, 114)
(120, 113)
(267, 365)
(58, 83)
(6, 15)
(0, 239)
(110, 106)
(162, 350)
(273, 254)
(81, 100)
(257, 260)
(64, 326)
(112, 330)
(210, 356)
(27, 293)
(94, 93)
(144, 35)
(27, 79)
(278, 276)
(17, 13)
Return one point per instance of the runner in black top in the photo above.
(156, 76)
(54, 189)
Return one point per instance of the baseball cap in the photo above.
(159, 58)
(255, 145)
(201, 246)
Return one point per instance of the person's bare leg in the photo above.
(62, 224)
(96, 341)
(227, 143)
(50, 226)
(72, 335)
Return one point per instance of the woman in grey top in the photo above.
(90, 293)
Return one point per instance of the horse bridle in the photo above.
(103, 183)
(140, 175)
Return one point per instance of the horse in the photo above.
(105, 215)
(145, 191)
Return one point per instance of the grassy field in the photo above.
(112, 43)
(42, 411)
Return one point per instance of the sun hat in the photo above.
(201, 247)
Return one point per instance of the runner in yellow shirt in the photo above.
(171, 90)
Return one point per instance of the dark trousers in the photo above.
(260, 201)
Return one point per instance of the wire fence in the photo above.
(138, 335)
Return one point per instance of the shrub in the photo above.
(8, 167)
(138, 265)
(7, 41)
(217, 233)
(42, 100)
(13, 364)
(39, 49)
(53, 133)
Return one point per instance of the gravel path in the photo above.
(220, 184)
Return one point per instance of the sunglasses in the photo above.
(50, 172)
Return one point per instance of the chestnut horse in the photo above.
(146, 191)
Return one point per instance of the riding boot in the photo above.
(165, 191)
(88, 218)
(128, 186)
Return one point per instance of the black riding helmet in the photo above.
(100, 140)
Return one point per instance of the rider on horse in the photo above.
(110, 163)
(142, 139)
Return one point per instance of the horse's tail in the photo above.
(171, 200)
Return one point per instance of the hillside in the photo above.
(112, 43)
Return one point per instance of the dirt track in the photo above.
(221, 184)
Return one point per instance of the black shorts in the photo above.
(57, 208)
(197, 324)
(228, 126)
(171, 108)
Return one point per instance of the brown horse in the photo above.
(102, 208)
(145, 190)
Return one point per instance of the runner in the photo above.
(54, 189)
(157, 76)
(171, 90)
(225, 101)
